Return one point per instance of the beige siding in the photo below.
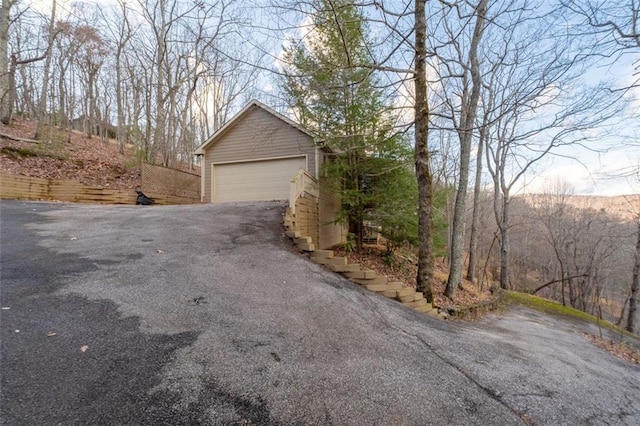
(258, 135)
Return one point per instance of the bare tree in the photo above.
(474, 234)
(464, 65)
(616, 23)
(24, 53)
(535, 108)
(121, 31)
(42, 103)
(618, 20)
(552, 209)
(5, 102)
(635, 288)
(583, 241)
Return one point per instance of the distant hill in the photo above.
(626, 207)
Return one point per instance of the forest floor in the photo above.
(67, 156)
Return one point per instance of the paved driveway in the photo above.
(188, 315)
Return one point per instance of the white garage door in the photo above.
(255, 180)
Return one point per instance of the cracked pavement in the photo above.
(203, 314)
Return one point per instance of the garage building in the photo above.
(254, 156)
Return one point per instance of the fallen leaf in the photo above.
(84, 348)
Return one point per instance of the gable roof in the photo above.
(239, 117)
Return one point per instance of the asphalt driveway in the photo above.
(186, 315)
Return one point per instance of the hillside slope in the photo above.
(68, 155)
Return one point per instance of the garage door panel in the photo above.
(255, 180)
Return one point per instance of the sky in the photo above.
(606, 169)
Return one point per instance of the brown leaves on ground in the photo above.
(403, 267)
(67, 156)
(619, 349)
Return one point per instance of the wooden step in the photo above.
(381, 288)
(344, 268)
(379, 280)
(425, 308)
(330, 261)
(362, 275)
(413, 297)
(303, 240)
(416, 304)
(408, 298)
(391, 294)
(406, 291)
(327, 254)
(306, 247)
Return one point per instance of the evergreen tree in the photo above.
(334, 94)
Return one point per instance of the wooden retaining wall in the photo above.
(315, 218)
(474, 311)
(307, 216)
(33, 188)
(330, 232)
(170, 184)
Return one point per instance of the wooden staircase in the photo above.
(366, 278)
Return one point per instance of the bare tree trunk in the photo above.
(545, 285)
(5, 105)
(124, 35)
(635, 288)
(504, 243)
(92, 113)
(423, 170)
(572, 292)
(42, 103)
(467, 124)
(64, 120)
(159, 135)
(8, 76)
(148, 151)
(475, 217)
(10, 97)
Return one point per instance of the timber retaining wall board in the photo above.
(34, 188)
(316, 218)
(161, 182)
(330, 232)
(307, 216)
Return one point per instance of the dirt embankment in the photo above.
(67, 155)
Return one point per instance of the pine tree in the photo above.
(332, 89)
